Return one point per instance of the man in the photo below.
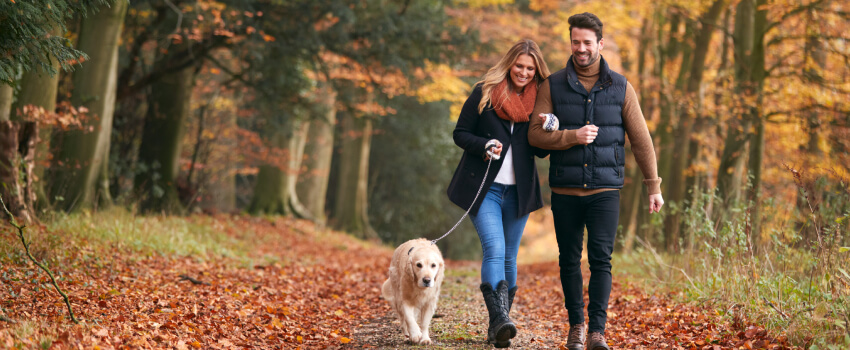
(596, 108)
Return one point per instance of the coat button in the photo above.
(472, 174)
(588, 100)
(585, 185)
(585, 165)
(588, 122)
(488, 134)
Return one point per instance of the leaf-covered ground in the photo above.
(313, 289)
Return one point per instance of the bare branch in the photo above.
(179, 16)
(792, 13)
(27, 249)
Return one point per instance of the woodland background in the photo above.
(341, 113)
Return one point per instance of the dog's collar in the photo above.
(411, 249)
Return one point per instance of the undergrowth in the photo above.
(793, 277)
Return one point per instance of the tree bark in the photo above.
(6, 92)
(218, 190)
(275, 189)
(38, 89)
(757, 145)
(10, 184)
(738, 133)
(298, 143)
(83, 152)
(664, 132)
(350, 205)
(633, 201)
(681, 140)
(162, 137)
(268, 192)
(312, 186)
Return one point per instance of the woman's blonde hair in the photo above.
(501, 70)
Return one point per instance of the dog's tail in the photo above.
(385, 290)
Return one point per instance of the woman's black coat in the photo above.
(472, 132)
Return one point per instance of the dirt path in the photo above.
(307, 289)
(636, 320)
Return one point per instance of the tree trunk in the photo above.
(681, 140)
(6, 92)
(162, 137)
(312, 186)
(299, 140)
(633, 201)
(218, 190)
(275, 189)
(350, 205)
(738, 132)
(38, 89)
(756, 159)
(268, 192)
(83, 152)
(757, 146)
(664, 131)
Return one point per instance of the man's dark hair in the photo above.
(586, 20)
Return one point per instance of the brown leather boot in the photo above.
(597, 342)
(578, 334)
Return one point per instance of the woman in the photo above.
(495, 117)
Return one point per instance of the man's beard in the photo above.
(592, 60)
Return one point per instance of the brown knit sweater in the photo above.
(633, 122)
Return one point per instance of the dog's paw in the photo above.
(415, 338)
(424, 340)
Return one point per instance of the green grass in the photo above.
(119, 230)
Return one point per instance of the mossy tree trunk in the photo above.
(83, 153)
(275, 192)
(38, 89)
(351, 203)
(312, 187)
(10, 185)
(162, 136)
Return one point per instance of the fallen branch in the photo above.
(27, 249)
(784, 315)
(185, 277)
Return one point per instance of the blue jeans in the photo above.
(500, 231)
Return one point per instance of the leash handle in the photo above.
(473, 201)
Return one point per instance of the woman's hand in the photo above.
(587, 134)
(550, 121)
(496, 148)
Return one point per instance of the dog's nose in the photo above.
(427, 280)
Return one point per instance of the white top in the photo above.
(506, 175)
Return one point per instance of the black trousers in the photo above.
(600, 214)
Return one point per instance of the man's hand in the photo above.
(655, 203)
(587, 134)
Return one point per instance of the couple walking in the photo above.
(505, 114)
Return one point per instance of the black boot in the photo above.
(511, 294)
(501, 329)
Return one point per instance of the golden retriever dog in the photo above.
(413, 287)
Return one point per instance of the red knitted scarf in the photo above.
(512, 107)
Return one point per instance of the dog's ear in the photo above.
(440, 272)
(408, 268)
